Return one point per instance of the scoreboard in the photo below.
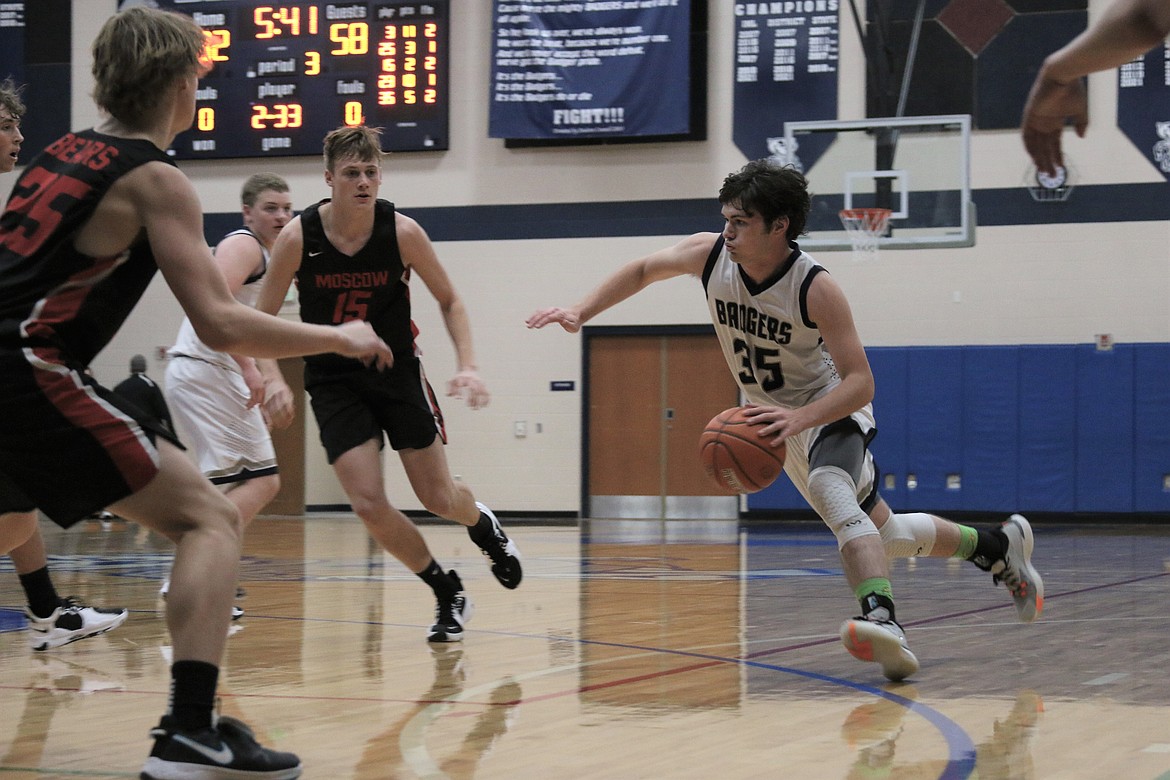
(283, 75)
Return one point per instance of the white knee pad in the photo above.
(833, 495)
(908, 535)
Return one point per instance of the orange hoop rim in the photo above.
(868, 214)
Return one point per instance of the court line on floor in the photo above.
(960, 762)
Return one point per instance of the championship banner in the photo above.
(589, 70)
(35, 51)
(12, 24)
(1143, 105)
(785, 71)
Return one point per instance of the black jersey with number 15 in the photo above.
(371, 285)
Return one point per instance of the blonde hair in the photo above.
(361, 142)
(10, 98)
(257, 183)
(137, 55)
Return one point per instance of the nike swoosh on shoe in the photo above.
(222, 756)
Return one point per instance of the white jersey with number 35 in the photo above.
(773, 349)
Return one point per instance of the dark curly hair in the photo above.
(764, 188)
(10, 98)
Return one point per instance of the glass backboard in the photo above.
(918, 167)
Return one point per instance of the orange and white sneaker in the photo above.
(1016, 570)
(880, 641)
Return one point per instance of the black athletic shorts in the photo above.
(69, 446)
(355, 406)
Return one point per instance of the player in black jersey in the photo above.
(89, 222)
(353, 257)
(53, 621)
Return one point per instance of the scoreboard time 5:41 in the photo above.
(284, 74)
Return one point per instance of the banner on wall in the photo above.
(35, 51)
(12, 25)
(785, 71)
(1143, 105)
(588, 70)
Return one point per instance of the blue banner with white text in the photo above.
(785, 71)
(590, 70)
(1143, 105)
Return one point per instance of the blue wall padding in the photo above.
(1047, 422)
(1040, 428)
(935, 439)
(1104, 431)
(1151, 423)
(991, 426)
(891, 376)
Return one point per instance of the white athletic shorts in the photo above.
(796, 460)
(209, 405)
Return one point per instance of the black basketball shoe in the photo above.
(226, 750)
(451, 614)
(496, 545)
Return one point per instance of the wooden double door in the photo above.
(649, 392)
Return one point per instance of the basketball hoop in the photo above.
(865, 227)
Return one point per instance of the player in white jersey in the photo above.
(215, 397)
(788, 335)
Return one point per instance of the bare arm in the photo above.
(829, 309)
(419, 254)
(239, 257)
(162, 200)
(686, 257)
(283, 263)
(1127, 29)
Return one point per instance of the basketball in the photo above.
(735, 456)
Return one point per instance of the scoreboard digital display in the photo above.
(283, 75)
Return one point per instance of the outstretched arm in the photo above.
(162, 200)
(686, 257)
(1127, 29)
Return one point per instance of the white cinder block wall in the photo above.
(1030, 284)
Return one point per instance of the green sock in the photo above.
(968, 538)
(875, 593)
(876, 586)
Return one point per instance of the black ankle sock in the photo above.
(990, 546)
(434, 576)
(38, 588)
(482, 528)
(193, 694)
(876, 601)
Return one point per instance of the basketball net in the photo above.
(865, 227)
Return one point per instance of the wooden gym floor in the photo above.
(633, 649)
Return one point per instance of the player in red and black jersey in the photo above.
(353, 257)
(53, 621)
(89, 222)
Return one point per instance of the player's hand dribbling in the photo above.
(776, 422)
(569, 319)
(467, 384)
(365, 345)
